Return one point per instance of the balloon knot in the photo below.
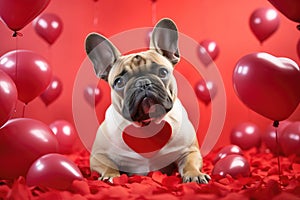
(15, 34)
(276, 124)
(298, 27)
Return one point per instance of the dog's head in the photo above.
(143, 85)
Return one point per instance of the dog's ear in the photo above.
(164, 40)
(102, 53)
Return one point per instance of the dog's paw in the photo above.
(108, 177)
(196, 177)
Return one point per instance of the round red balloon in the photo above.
(52, 92)
(49, 27)
(246, 135)
(205, 90)
(92, 95)
(227, 150)
(18, 13)
(65, 134)
(263, 23)
(30, 72)
(53, 170)
(269, 137)
(8, 97)
(22, 141)
(233, 165)
(290, 8)
(208, 51)
(290, 139)
(268, 85)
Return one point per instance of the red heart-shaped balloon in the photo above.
(92, 95)
(52, 92)
(205, 90)
(290, 8)
(263, 23)
(18, 13)
(48, 26)
(208, 51)
(268, 85)
(147, 140)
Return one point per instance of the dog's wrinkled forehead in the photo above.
(137, 62)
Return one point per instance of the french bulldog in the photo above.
(144, 98)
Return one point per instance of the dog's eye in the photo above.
(119, 83)
(163, 73)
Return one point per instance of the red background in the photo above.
(224, 22)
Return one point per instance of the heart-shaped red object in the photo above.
(92, 95)
(49, 27)
(52, 92)
(290, 8)
(147, 140)
(18, 13)
(268, 85)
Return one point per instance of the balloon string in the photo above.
(153, 11)
(276, 124)
(16, 70)
(23, 112)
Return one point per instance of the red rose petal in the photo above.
(121, 180)
(19, 190)
(262, 184)
(4, 190)
(80, 187)
(171, 182)
(158, 176)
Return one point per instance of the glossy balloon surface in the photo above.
(66, 135)
(228, 150)
(268, 85)
(48, 26)
(290, 8)
(246, 135)
(8, 97)
(233, 165)
(269, 137)
(290, 139)
(92, 95)
(22, 141)
(205, 90)
(30, 72)
(16, 14)
(52, 92)
(53, 170)
(263, 23)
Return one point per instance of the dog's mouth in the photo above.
(144, 106)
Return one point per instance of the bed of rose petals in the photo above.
(263, 183)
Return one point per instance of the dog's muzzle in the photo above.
(146, 99)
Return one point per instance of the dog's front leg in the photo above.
(189, 166)
(103, 165)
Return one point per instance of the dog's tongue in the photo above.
(147, 103)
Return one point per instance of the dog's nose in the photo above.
(143, 83)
